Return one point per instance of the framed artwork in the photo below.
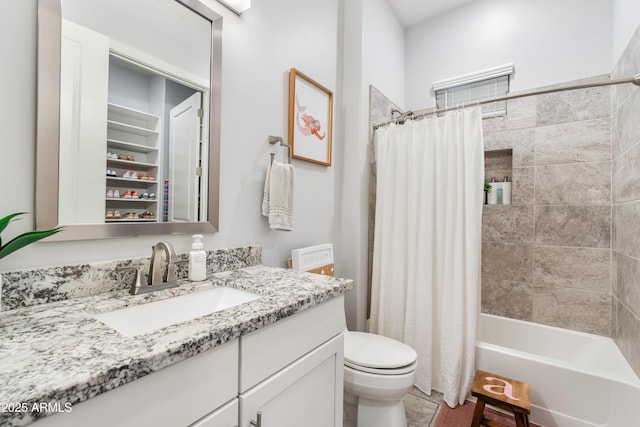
(310, 119)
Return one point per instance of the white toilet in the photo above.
(378, 372)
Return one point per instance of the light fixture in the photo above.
(236, 6)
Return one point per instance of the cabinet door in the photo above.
(306, 393)
(225, 416)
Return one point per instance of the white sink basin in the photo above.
(145, 318)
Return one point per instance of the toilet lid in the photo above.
(376, 351)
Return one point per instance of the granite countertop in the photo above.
(59, 353)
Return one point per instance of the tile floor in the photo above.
(422, 410)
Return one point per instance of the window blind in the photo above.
(476, 91)
(477, 86)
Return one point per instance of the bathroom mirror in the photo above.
(128, 117)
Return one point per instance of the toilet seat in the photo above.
(378, 371)
(377, 354)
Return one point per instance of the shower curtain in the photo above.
(427, 244)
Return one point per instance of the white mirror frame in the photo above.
(48, 136)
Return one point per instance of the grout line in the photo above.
(627, 202)
(629, 148)
(435, 416)
(636, 316)
(574, 163)
(612, 313)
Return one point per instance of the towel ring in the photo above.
(278, 139)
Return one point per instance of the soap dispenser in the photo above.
(197, 260)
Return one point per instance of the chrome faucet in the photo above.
(158, 278)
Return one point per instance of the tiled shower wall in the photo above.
(626, 206)
(546, 257)
(380, 108)
(567, 251)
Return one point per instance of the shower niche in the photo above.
(498, 173)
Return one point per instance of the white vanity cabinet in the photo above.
(291, 372)
(178, 395)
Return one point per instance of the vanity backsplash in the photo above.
(23, 288)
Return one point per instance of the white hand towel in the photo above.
(281, 196)
(266, 197)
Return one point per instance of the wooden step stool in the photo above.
(501, 392)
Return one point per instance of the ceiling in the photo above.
(410, 12)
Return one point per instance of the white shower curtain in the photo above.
(426, 257)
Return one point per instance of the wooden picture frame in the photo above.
(310, 119)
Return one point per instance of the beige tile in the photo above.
(567, 267)
(521, 141)
(579, 310)
(522, 189)
(508, 299)
(507, 223)
(627, 66)
(627, 281)
(626, 126)
(626, 335)
(590, 79)
(435, 417)
(626, 176)
(582, 141)
(507, 261)
(629, 61)
(379, 106)
(497, 164)
(435, 397)
(521, 113)
(419, 411)
(626, 229)
(573, 184)
(573, 105)
(498, 140)
(587, 226)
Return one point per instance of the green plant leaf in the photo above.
(25, 239)
(7, 219)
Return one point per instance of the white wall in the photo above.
(119, 20)
(383, 51)
(626, 18)
(348, 246)
(548, 41)
(373, 55)
(258, 50)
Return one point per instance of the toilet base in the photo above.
(363, 412)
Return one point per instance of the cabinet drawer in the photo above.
(270, 349)
(177, 395)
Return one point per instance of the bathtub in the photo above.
(577, 379)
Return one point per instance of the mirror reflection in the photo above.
(133, 112)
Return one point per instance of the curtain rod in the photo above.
(409, 115)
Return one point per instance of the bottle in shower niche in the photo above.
(492, 196)
(506, 191)
(197, 260)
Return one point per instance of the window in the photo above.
(474, 87)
